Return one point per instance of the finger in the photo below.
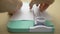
(43, 6)
(37, 4)
(31, 4)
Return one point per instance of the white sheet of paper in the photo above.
(26, 14)
(23, 14)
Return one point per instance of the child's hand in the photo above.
(11, 6)
(11, 13)
(43, 6)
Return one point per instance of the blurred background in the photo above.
(53, 10)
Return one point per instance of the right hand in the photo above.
(43, 6)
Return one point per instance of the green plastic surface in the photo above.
(24, 25)
(20, 25)
(49, 23)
